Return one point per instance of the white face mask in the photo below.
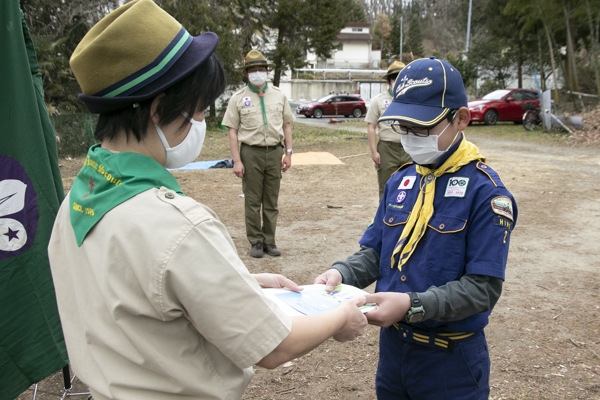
(186, 151)
(424, 150)
(257, 78)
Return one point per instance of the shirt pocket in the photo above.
(275, 114)
(250, 118)
(393, 225)
(445, 247)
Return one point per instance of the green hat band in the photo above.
(152, 71)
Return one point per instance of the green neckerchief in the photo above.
(390, 92)
(107, 180)
(262, 102)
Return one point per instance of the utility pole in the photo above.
(469, 26)
(400, 58)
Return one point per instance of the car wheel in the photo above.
(490, 117)
(318, 113)
(357, 113)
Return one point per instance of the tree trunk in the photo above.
(553, 64)
(572, 75)
(277, 60)
(594, 47)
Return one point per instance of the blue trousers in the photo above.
(414, 371)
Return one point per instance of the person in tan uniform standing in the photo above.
(258, 119)
(154, 301)
(387, 153)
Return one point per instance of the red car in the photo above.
(334, 104)
(502, 105)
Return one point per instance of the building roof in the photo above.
(358, 25)
(354, 37)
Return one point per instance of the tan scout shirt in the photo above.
(244, 113)
(378, 105)
(158, 308)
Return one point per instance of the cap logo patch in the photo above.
(406, 84)
(502, 205)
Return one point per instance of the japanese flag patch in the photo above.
(246, 101)
(502, 205)
(457, 187)
(386, 103)
(407, 182)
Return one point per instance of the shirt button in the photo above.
(403, 278)
(169, 195)
(391, 219)
(442, 226)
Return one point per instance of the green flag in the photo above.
(31, 341)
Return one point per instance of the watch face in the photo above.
(415, 316)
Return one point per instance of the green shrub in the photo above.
(74, 133)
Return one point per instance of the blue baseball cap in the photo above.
(425, 91)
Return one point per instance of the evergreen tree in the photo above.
(414, 44)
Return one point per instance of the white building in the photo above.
(353, 50)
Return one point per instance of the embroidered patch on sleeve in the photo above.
(457, 187)
(502, 205)
(407, 182)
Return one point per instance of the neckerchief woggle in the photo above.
(423, 208)
(262, 101)
(108, 179)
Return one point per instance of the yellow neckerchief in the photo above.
(423, 208)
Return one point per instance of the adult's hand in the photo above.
(376, 157)
(355, 320)
(391, 307)
(331, 278)
(286, 163)
(238, 169)
(276, 281)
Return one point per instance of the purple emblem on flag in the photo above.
(18, 209)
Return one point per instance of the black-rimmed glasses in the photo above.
(416, 130)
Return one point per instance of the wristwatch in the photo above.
(416, 312)
(289, 151)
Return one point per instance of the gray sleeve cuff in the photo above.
(360, 269)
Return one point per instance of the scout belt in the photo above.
(444, 341)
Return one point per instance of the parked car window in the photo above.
(529, 95)
(517, 95)
(496, 95)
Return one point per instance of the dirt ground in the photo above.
(544, 333)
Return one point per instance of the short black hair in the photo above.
(196, 92)
(391, 77)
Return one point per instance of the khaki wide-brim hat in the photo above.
(134, 53)
(254, 58)
(394, 68)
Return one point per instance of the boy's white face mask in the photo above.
(189, 149)
(424, 150)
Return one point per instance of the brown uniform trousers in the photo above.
(260, 184)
